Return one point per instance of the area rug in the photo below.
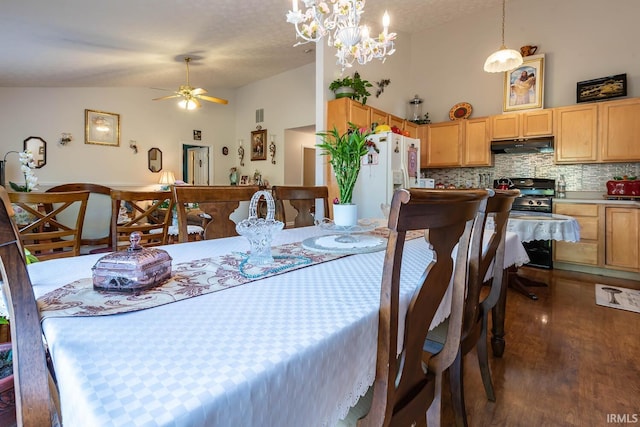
(617, 297)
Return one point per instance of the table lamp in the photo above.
(167, 178)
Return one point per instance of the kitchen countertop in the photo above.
(596, 197)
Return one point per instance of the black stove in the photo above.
(536, 195)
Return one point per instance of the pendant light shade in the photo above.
(504, 59)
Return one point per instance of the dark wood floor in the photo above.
(567, 361)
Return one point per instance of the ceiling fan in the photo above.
(191, 96)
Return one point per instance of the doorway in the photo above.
(195, 164)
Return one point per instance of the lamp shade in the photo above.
(503, 60)
(167, 178)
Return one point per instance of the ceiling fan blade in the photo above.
(213, 99)
(198, 91)
(166, 97)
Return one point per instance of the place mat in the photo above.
(189, 279)
(617, 297)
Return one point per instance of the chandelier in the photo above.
(339, 20)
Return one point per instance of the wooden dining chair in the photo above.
(147, 212)
(96, 230)
(407, 382)
(43, 234)
(303, 200)
(36, 397)
(218, 202)
(490, 255)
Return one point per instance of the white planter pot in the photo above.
(344, 92)
(345, 215)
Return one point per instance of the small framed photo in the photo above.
(524, 86)
(244, 180)
(197, 135)
(602, 88)
(101, 128)
(258, 144)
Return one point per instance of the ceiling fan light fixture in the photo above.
(504, 59)
(187, 104)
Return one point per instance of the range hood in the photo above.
(530, 145)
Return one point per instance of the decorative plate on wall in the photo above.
(461, 110)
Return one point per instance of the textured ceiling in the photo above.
(142, 43)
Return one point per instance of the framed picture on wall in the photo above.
(524, 86)
(101, 128)
(602, 88)
(258, 144)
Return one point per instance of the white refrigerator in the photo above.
(395, 164)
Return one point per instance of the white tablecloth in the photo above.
(532, 226)
(296, 349)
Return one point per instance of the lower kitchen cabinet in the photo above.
(587, 250)
(622, 242)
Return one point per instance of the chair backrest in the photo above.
(34, 397)
(488, 253)
(218, 202)
(404, 388)
(97, 219)
(147, 212)
(303, 200)
(42, 233)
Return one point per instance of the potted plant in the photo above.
(352, 87)
(345, 152)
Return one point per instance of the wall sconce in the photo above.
(241, 153)
(134, 146)
(65, 139)
(272, 149)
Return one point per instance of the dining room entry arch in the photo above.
(195, 164)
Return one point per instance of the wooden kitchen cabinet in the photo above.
(443, 146)
(344, 110)
(378, 116)
(622, 246)
(620, 130)
(457, 143)
(576, 134)
(477, 142)
(588, 250)
(412, 128)
(522, 125)
(396, 121)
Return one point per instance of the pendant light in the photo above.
(504, 59)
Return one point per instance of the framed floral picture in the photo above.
(101, 128)
(524, 86)
(258, 144)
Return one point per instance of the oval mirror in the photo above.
(155, 159)
(38, 148)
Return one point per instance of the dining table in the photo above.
(289, 347)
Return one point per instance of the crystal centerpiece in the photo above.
(259, 231)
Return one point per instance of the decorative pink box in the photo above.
(133, 270)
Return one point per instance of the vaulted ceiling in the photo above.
(142, 43)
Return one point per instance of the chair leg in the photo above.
(457, 390)
(435, 410)
(483, 360)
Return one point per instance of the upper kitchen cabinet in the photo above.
(576, 134)
(442, 145)
(477, 142)
(620, 130)
(378, 116)
(396, 121)
(522, 125)
(412, 128)
(457, 143)
(342, 111)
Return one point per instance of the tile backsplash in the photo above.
(582, 177)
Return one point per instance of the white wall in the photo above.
(288, 102)
(581, 40)
(47, 112)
